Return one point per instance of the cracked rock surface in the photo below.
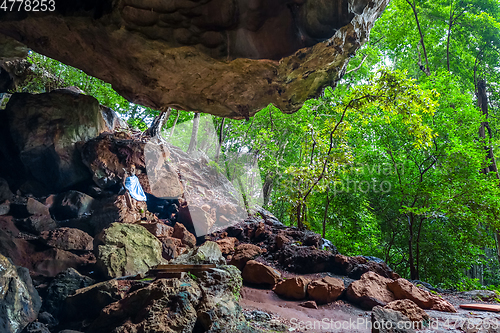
(225, 57)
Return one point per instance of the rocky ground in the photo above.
(77, 254)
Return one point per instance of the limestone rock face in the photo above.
(224, 57)
(126, 249)
(19, 300)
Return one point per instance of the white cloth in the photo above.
(134, 188)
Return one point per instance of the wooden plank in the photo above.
(183, 268)
(483, 307)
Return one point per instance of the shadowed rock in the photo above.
(224, 57)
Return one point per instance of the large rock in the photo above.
(64, 284)
(228, 58)
(404, 289)
(258, 273)
(44, 129)
(207, 253)
(126, 249)
(68, 239)
(184, 235)
(227, 244)
(293, 288)
(19, 300)
(370, 290)
(325, 290)
(386, 320)
(410, 310)
(53, 261)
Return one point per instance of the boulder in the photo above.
(370, 290)
(404, 289)
(325, 290)
(71, 204)
(64, 284)
(227, 244)
(24, 207)
(481, 295)
(306, 259)
(144, 309)
(44, 129)
(293, 288)
(171, 247)
(87, 303)
(386, 321)
(126, 249)
(19, 300)
(227, 58)
(68, 239)
(47, 319)
(258, 273)
(36, 327)
(184, 235)
(410, 310)
(355, 267)
(243, 253)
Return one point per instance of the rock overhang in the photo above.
(229, 58)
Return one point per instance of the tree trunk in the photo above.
(221, 139)
(267, 188)
(175, 123)
(326, 214)
(194, 134)
(158, 122)
(482, 103)
(411, 259)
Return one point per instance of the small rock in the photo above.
(68, 239)
(294, 288)
(71, 204)
(5, 208)
(47, 319)
(227, 244)
(184, 235)
(309, 304)
(171, 247)
(159, 229)
(35, 207)
(37, 223)
(481, 295)
(257, 273)
(36, 327)
(281, 240)
(243, 253)
(325, 290)
(370, 290)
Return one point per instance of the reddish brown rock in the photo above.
(309, 304)
(35, 207)
(227, 244)
(159, 229)
(370, 290)
(281, 240)
(68, 239)
(410, 310)
(404, 289)
(171, 247)
(243, 253)
(184, 235)
(293, 288)
(258, 273)
(325, 290)
(262, 231)
(53, 261)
